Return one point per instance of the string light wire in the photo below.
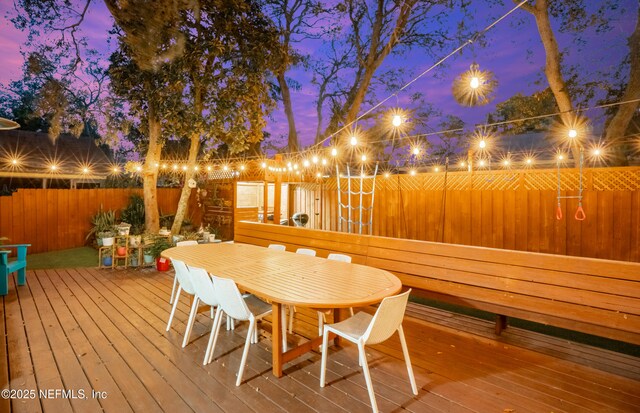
(415, 79)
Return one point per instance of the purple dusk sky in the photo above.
(513, 53)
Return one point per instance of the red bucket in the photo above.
(162, 264)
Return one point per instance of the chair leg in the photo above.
(367, 376)
(22, 276)
(407, 360)
(292, 311)
(320, 322)
(173, 290)
(4, 283)
(217, 323)
(192, 319)
(245, 352)
(173, 309)
(212, 335)
(323, 364)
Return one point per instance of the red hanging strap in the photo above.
(580, 215)
(559, 213)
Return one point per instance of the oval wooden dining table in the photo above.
(287, 278)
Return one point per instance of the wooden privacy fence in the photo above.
(506, 209)
(55, 219)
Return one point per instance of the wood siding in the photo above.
(55, 219)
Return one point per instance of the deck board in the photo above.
(104, 330)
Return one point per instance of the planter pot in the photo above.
(107, 242)
(134, 261)
(107, 261)
(135, 240)
(212, 238)
(148, 259)
(177, 238)
(162, 264)
(121, 251)
(99, 241)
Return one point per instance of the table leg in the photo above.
(276, 337)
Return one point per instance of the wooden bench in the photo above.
(7, 267)
(593, 296)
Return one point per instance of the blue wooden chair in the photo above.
(7, 267)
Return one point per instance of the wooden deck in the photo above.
(87, 330)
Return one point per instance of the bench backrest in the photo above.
(594, 296)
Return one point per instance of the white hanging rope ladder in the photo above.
(351, 223)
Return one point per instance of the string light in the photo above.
(14, 161)
(412, 172)
(196, 168)
(324, 161)
(175, 167)
(363, 157)
(54, 167)
(138, 168)
(572, 133)
(184, 167)
(353, 141)
(115, 169)
(164, 166)
(263, 165)
(306, 163)
(436, 169)
(386, 174)
(334, 151)
(85, 170)
(225, 168)
(416, 151)
(209, 167)
(396, 120)
(314, 159)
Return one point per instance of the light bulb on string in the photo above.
(396, 120)
(306, 163)
(334, 151)
(353, 141)
(474, 87)
(314, 159)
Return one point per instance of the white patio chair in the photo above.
(363, 328)
(206, 293)
(323, 314)
(175, 279)
(306, 251)
(184, 284)
(249, 308)
(277, 247)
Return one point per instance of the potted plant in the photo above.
(107, 237)
(107, 260)
(102, 221)
(123, 228)
(158, 245)
(121, 248)
(134, 214)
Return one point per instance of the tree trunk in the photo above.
(617, 127)
(150, 173)
(552, 70)
(293, 143)
(183, 204)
